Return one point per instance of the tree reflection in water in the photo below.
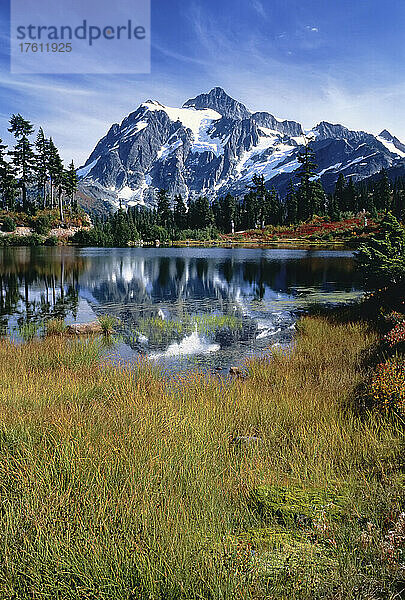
(190, 290)
(36, 284)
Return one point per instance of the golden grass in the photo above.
(115, 483)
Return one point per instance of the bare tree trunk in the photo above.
(24, 197)
(51, 183)
(60, 204)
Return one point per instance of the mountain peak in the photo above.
(214, 145)
(217, 99)
(392, 143)
(386, 135)
(326, 126)
(153, 103)
(218, 90)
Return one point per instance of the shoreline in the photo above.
(41, 241)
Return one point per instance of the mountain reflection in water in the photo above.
(208, 307)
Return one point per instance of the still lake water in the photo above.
(183, 307)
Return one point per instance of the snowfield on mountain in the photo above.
(214, 145)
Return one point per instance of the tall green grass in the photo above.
(107, 323)
(28, 331)
(55, 327)
(115, 484)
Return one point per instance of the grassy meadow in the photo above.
(118, 484)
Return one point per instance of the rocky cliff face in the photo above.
(214, 144)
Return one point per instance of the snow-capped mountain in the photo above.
(214, 144)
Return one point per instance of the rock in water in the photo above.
(85, 328)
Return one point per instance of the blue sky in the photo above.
(307, 60)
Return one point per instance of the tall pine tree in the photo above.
(350, 197)
(180, 212)
(398, 201)
(383, 196)
(291, 204)
(258, 199)
(163, 209)
(309, 193)
(55, 169)
(200, 213)
(8, 182)
(41, 165)
(338, 196)
(70, 185)
(22, 155)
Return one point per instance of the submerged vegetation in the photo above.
(158, 329)
(29, 330)
(118, 484)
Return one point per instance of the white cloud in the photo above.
(259, 8)
(78, 111)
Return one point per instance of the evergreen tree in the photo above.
(350, 203)
(144, 220)
(3, 169)
(226, 214)
(249, 211)
(398, 201)
(238, 215)
(55, 170)
(338, 196)
(291, 204)
(309, 193)
(122, 228)
(134, 234)
(273, 208)
(200, 213)
(331, 208)
(382, 259)
(318, 198)
(258, 198)
(41, 165)
(8, 182)
(70, 185)
(9, 187)
(180, 213)
(59, 180)
(363, 199)
(163, 209)
(383, 195)
(22, 155)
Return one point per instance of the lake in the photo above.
(182, 307)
